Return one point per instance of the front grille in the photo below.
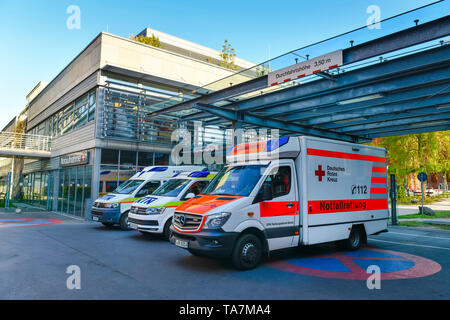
(191, 221)
(138, 210)
(143, 222)
(96, 212)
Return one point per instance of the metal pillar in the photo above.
(95, 182)
(393, 195)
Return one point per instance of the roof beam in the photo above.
(397, 122)
(289, 99)
(410, 130)
(402, 39)
(335, 112)
(272, 123)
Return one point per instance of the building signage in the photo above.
(75, 159)
(302, 69)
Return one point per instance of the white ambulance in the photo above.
(283, 193)
(153, 214)
(113, 207)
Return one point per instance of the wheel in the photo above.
(247, 252)
(354, 241)
(108, 224)
(123, 222)
(166, 231)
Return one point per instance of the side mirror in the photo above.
(189, 195)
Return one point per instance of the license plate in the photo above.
(181, 243)
(133, 225)
(95, 218)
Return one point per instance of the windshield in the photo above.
(235, 181)
(171, 188)
(128, 186)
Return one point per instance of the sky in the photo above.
(36, 43)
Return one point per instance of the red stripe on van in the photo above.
(330, 206)
(378, 180)
(276, 209)
(343, 155)
(378, 190)
(379, 169)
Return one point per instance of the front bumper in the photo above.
(145, 223)
(110, 215)
(216, 244)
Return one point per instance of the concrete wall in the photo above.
(132, 55)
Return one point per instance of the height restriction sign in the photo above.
(299, 70)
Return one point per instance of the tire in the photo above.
(354, 241)
(166, 231)
(123, 222)
(107, 224)
(247, 252)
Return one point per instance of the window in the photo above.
(91, 112)
(145, 159)
(171, 188)
(149, 188)
(196, 188)
(235, 180)
(279, 180)
(128, 186)
(161, 159)
(110, 156)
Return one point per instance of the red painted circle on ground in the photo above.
(349, 265)
(7, 223)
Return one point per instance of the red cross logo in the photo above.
(319, 172)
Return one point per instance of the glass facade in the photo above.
(71, 117)
(118, 166)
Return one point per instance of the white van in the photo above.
(283, 193)
(153, 214)
(113, 207)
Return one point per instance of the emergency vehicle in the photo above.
(283, 193)
(113, 207)
(153, 214)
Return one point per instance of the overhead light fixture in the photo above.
(443, 106)
(428, 123)
(361, 99)
(349, 120)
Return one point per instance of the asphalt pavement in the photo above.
(36, 250)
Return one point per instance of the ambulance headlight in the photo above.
(215, 221)
(155, 210)
(114, 205)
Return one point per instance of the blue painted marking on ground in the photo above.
(370, 254)
(386, 265)
(324, 264)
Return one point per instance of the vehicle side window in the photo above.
(279, 180)
(148, 188)
(196, 188)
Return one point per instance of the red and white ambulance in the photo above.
(283, 193)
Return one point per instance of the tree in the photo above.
(410, 154)
(227, 55)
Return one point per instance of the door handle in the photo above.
(289, 205)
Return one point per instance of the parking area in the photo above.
(37, 248)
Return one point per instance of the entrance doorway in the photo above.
(75, 190)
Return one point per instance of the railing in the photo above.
(11, 141)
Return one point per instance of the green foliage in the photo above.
(411, 154)
(227, 55)
(401, 193)
(151, 41)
